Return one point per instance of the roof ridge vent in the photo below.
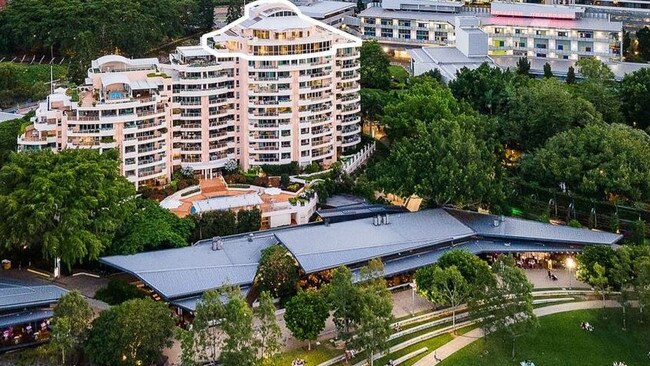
(217, 243)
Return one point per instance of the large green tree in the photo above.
(235, 11)
(473, 269)
(214, 223)
(445, 162)
(374, 66)
(603, 96)
(344, 300)
(634, 92)
(267, 329)
(484, 88)
(541, 109)
(305, 315)
(9, 131)
(70, 324)
(132, 333)
(151, 227)
(69, 204)
(506, 307)
(446, 287)
(376, 317)
(593, 68)
(608, 162)
(277, 272)
(202, 342)
(240, 346)
(643, 36)
(249, 220)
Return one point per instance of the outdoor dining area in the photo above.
(24, 329)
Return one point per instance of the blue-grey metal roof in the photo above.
(410, 262)
(25, 317)
(191, 270)
(189, 303)
(328, 246)
(513, 228)
(15, 295)
(357, 211)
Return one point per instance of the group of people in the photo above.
(527, 363)
(586, 326)
(619, 363)
(349, 354)
(298, 362)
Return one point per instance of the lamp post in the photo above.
(413, 287)
(570, 264)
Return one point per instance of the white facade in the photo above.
(273, 87)
(520, 29)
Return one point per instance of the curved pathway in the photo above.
(459, 342)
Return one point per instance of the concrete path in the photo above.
(461, 341)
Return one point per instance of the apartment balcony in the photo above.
(223, 101)
(260, 91)
(351, 130)
(354, 76)
(347, 55)
(349, 89)
(322, 152)
(350, 120)
(349, 98)
(269, 114)
(350, 108)
(349, 66)
(316, 143)
(151, 173)
(156, 148)
(315, 88)
(188, 138)
(314, 76)
(321, 132)
(315, 100)
(221, 135)
(270, 103)
(187, 127)
(351, 141)
(321, 109)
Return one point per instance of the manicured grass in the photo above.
(560, 341)
(398, 74)
(318, 354)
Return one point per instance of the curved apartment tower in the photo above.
(273, 87)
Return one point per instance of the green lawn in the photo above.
(398, 74)
(560, 341)
(318, 354)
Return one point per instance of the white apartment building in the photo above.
(273, 87)
(518, 29)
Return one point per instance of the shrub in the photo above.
(235, 178)
(291, 169)
(261, 181)
(197, 189)
(312, 168)
(284, 180)
(118, 291)
(574, 223)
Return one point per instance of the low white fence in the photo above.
(358, 159)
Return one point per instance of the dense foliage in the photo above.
(221, 223)
(118, 291)
(635, 98)
(9, 130)
(22, 82)
(67, 204)
(151, 227)
(132, 333)
(374, 66)
(277, 272)
(608, 162)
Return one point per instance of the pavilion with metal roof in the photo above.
(404, 241)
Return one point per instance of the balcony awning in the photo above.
(25, 317)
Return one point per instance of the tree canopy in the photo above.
(634, 92)
(132, 333)
(305, 315)
(609, 162)
(277, 272)
(445, 164)
(69, 204)
(72, 316)
(485, 88)
(541, 109)
(151, 227)
(9, 130)
(374, 66)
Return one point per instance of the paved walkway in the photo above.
(468, 338)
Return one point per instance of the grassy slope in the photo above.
(560, 341)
